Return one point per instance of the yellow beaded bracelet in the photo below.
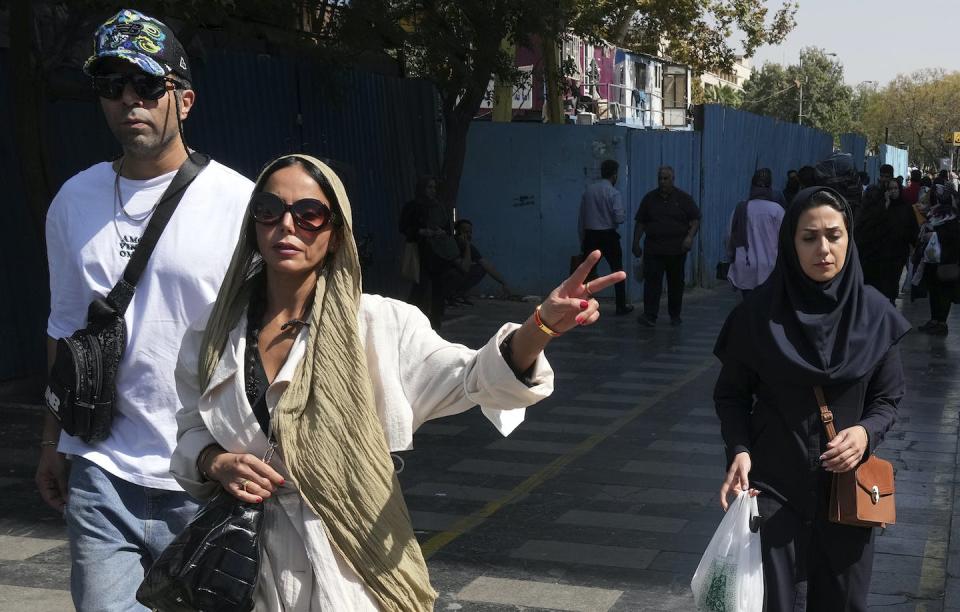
(541, 325)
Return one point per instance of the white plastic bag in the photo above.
(931, 254)
(730, 575)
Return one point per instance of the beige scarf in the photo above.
(327, 423)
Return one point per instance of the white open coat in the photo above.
(416, 376)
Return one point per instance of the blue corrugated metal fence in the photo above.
(855, 145)
(887, 155)
(735, 144)
(379, 132)
(522, 184)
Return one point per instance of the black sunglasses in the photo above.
(147, 86)
(310, 214)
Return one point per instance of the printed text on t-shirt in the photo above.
(128, 244)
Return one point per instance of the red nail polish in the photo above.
(580, 320)
(282, 482)
(584, 304)
(259, 500)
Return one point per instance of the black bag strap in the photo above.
(122, 292)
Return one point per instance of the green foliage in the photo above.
(723, 94)
(918, 109)
(446, 40)
(457, 44)
(774, 90)
(696, 32)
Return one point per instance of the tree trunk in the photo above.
(553, 105)
(503, 89)
(458, 118)
(29, 101)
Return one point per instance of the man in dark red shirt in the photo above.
(911, 193)
(670, 219)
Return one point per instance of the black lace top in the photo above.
(254, 375)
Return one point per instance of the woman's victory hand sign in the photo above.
(572, 303)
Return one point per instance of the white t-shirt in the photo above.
(89, 242)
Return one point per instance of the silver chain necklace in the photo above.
(119, 209)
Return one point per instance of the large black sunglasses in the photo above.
(310, 214)
(147, 86)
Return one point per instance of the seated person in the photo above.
(471, 267)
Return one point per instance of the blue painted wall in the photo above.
(855, 145)
(898, 158)
(735, 144)
(522, 185)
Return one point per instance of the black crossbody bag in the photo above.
(81, 386)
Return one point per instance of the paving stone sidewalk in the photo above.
(604, 499)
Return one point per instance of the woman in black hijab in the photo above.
(886, 231)
(813, 323)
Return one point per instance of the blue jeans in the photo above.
(117, 530)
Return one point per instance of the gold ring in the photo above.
(586, 288)
(243, 484)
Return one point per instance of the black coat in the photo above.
(780, 426)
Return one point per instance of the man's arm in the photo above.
(637, 235)
(466, 253)
(616, 208)
(688, 240)
(494, 274)
(693, 213)
(51, 476)
(638, 227)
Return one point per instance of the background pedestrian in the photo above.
(601, 213)
(670, 219)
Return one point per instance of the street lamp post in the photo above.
(802, 79)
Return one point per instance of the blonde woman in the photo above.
(293, 355)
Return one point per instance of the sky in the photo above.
(874, 39)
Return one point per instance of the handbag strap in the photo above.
(122, 292)
(825, 415)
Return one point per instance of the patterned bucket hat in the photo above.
(141, 40)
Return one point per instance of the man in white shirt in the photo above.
(121, 504)
(601, 211)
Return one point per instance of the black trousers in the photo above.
(654, 267)
(435, 284)
(608, 243)
(814, 566)
(941, 293)
(885, 276)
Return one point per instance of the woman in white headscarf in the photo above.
(294, 356)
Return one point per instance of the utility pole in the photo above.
(800, 114)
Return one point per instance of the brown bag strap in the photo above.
(825, 415)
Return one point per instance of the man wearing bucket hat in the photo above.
(121, 505)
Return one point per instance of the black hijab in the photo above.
(797, 331)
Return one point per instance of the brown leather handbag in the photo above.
(864, 496)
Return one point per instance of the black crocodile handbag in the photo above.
(213, 565)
